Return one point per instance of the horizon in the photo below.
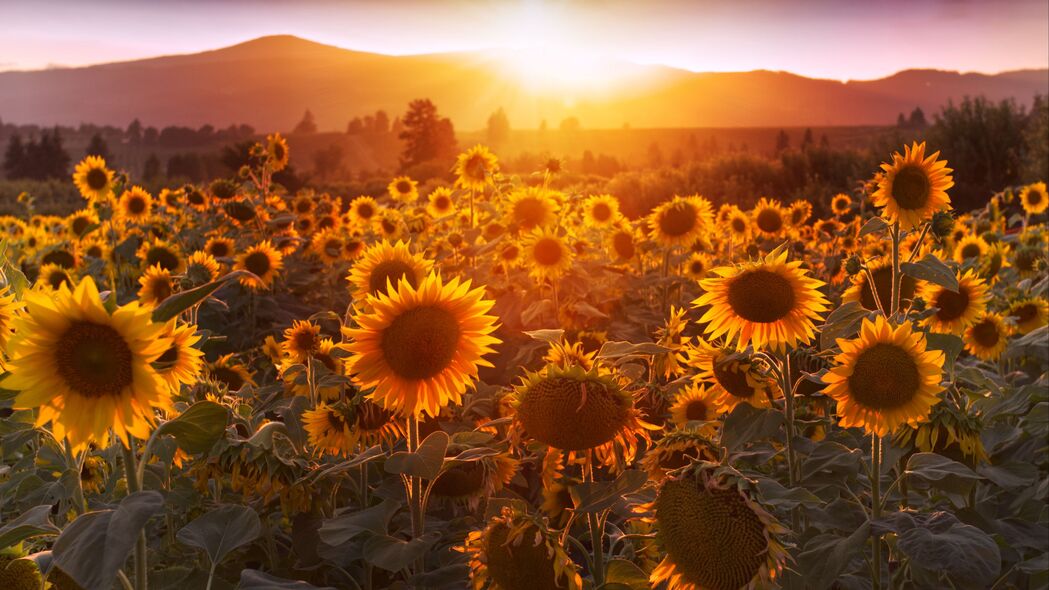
(801, 37)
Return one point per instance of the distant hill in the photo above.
(270, 81)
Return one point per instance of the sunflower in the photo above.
(135, 205)
(440, 203)
(375, 424)
(301, 341)
(955, 311)
(768, 217)
(262, 261)
(713, 535)
(1029, 261)
(475, 168)
(227, 371)
(622, 243)
(799, 212)
(696, 266)
(330, 428)
(403, 190)
(291, 370)
(841, 204)
(20, 574)
(181, 363)
(884, 378)
(601, 210)
(547, 254)
(223, 189)
(951, 432)
(860, 290)
(1029, 314)
(276, 151)
(994, 261)
(468, 482)
(913, 187)
(93, 248)
(670, 336)
(1033, 198)
(389, 224)
(155, 285)
(970, 247)
(93, 179)
(383, 265)
(201, 268)
(733, 378)
(329, 246)
(695, 403)
(220, 247)
(9, 309)
(530, 208)
(421, 347)
(987, 336)
(60, 254)
(768, 302)
(516, 551)
(163, 254)
(362, 210)
(676, 450)
(85, 369)
(680, 221)
(196, 198)
(53, 276)
(80, 222)
(92, 475)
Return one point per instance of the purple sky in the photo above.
(838, 39)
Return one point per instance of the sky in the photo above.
(837, 39)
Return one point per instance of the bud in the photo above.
(244, 172)
(853, 265)
(942, 224)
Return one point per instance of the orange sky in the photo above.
(822, 38)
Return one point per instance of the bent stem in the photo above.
(134, 484)
(597, 532)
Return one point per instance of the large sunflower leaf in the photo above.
(221, 530)
(35, 522)
(932, 269)
(426, 462)
(198, 428)
(255, 580)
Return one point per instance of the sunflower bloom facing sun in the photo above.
(987, 337)
(263, 261)
(383, 265)
(695, 403)
(547, 255)
(93, 179)
(956, 311)
(913, 187)
(1034, 199)
(768, 302)
(475, 168)
(601, 210)
(680, 221)
(87, 370)
(420, 347)
(884, 378)
(277, 151)
(403, 190)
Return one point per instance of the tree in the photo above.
(427, 135)
(782, 141)
(15, 158)
(134, 132)
(326, 162)
(151, 169)
(307, 125)
(355, 126)
(807, 140)
(570, 124)
(655, 155)
(917, 120)
(824, 141)
(901, 121)
(1036, 136)
(98, 147)
(382, 122)
(498, 128)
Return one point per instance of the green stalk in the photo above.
(134, 484)
(876, 505)
(415, 488)
(894, 302)
(597, 532)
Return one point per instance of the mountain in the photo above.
(269, 82)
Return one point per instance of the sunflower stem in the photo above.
(596, 527)
(134, 484)
(876, 506)
(894, 301)
(415, 488)
(79, 503)
(788, 406)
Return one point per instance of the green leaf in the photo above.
(596, 496)
(342, 529)
(967, 555)
(426, 462)
(221, 530)
(940, 472)
(831, 457)
(198, 428)
(624, 573)
(746, 423)
(874, 224)
(393, 554)
(776, 494)
(950, 344)
(255, 580)
(183, 300)
(843, 322)
(617, 349)
(551, 336)
(35, 522)
(95, 545)
(827, 556)
(932, 269)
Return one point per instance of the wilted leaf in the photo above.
(842, 323)
(874, 224)
(624, 573)
(343, 528)
(611, 350)
(393, 554)
(551, 336)
(183, 300)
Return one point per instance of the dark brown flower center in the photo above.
(258, 263)
(96, 179)
(970, 250)
(986, 334)
(761, 296)
(1034, 197)
(883, 283)
(93, 359)
(910, 187)
(556, 411)
(232, 378)
(219, 249)
(733, 380)
(62, 258)
(365, 211)
(884, 377)
(371, 416)
(404, 187)
(167, 259)
(390, 271)
(80, 225)
(160, 287)
(601, 212)
(769, 221)
(421, 342)
(952, 305)
(136, 205)
(1024, 313)
(521, 566)
(739, 225)
(57, 278)
(529, 212)
(679, 219)
(623, 243)
(548, 252)
(696, 410)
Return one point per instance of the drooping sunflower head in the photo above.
(516, 551)
(913, 187)
(277, 152)
(262, 261)
(182, 362)
(733, 378)
(19, 574)
(994, 261)
(1029, 314)
(530, 208)
(680, 221)
(799, 212)
(841, 204)
(1034, 199)
(301, 341)
(87, 370)
(768, 217)
(678, 448)
(1029, 261)
(93, 179)
(956, 311)
(884, 378)
(135, 205)
(196, 198)
(92, 476)
(547, 254)
(951, 431)
(767, 302)
(53, 276)
(161, 253)
(201, 268)
(601, 210)
(475, 168)
(714, 536)
(622, 243)
(862, 292)
(696, 403)
(987, 337)
(223, 189)
(467, 482)
(383, 265)
(331, 429)
(155, 285)
(403, 189)
(389, 224)
(420, 347)
(227, 371)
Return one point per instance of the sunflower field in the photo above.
(502, 384)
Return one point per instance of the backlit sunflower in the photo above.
(531, 207)
(389, 224)
(768, 217)
(696, 266)
(21, 574)
(384, 264)
(181, 363)
(733, 378)
(913, 187)
(841, 204)
(78, 223)
(738, 226)
(53, 276)
(440, 202)
(475, 168)
(219, 247)
(330, 429)
(677, 449)
(469, 482)
(516, 551)
(228, 371)
(768, 302)
(155, 285)
(196, 198)
(201, 268)
(713, 535)
(161, 253)
(601, 210)
(950, 431)
(92, 476)
(987, 336)
(277, 152)
(860, 289)
(420, 347)
(362, 210)
(1034, 199)
(671, 336)
(328, 245)
(884, 378)
(799, 212)
(85, 369)
(403, 190)
(1029, 314)
(93, 179)
(9, 308)
(680, 221)
(135, 205)
(292, 371)
(301, 341)
(969, 248)
(955, 311)
(547, 255)
(569, 354)
(695, 403)
(262, 261)
(622, 243)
